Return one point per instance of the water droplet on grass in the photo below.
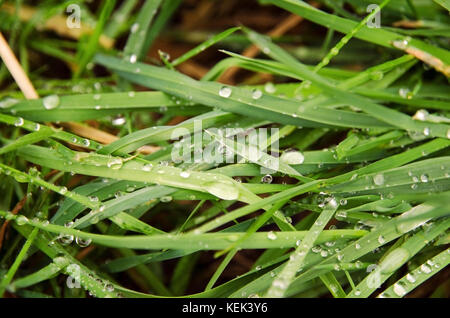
(115, 163)
(378, 179)
(21, 220)
(376, 75)
(185, 174)
(166, 199)
(399, 290)
(223, 190)
(424, 178)
(270, 88)
(256, 94)
(267, 179)
(134, 27)
(225, 91)
(82, 242)
(410, 278)
(271, 236)
(425, 268)
(19, 122)
(394, 260)
(292, 157)
(51, 101)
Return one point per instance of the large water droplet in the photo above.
(394, 260)
(256, 94)
(425, 268)
(270, 88)
(378, 179)
(134, 27)
(51, 101)
(421, 115)
(292, 157)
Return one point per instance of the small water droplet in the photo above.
(376, 75)
(267, 179)
(421, 115)
(185, 174)
(271, 236)
(225, 91)
(425, 268)
(83, 242)
(399, 290)
(410, 278)
(256, 94)
(19, 122)
(166, 199)
(378, 179)
(270, 88)
(134, 27)
(292, 157)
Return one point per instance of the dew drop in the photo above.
(19, 122)
(271, 236)
(378, 179)
(223, 190)
(147, 167)
(410, 278)
(270, 88)
(421, 115)
(115, 163)
(292, 157)
(166, 199)
(376, 75)
(65, 239)
(425, 268)
(21, 220)
(267, 179)
(134, 27)
(50, 101)
(119, 121)
(403, 92)
(82, 242)
(185, 174)
(225, 91)
(399, 290)
(424, 178)
(256, 94)
(394, 260)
